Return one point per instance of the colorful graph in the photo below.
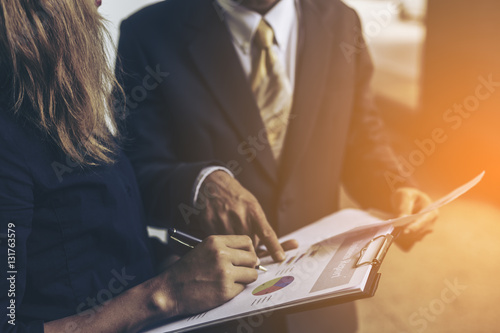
(273, 285)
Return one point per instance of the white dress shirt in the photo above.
(242, 24)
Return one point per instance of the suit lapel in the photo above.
(315, 44)
(214, 56)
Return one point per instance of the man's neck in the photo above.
(259, 6)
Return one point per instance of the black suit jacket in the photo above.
(203, 113)
(77, 231)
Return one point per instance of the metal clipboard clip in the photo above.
(374, 252)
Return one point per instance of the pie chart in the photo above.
(272, 286)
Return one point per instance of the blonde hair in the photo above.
(60, 67)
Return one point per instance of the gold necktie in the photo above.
(271, 88)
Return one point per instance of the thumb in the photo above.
(403, 202)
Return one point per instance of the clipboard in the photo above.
(374, 252)
(375, 259)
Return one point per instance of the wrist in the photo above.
(155, 301)
(162, 298)
(205, 175)
(218, 176)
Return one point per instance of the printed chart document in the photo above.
(323, 267)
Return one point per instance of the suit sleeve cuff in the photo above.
(205, 172)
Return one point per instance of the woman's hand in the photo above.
(213, 273)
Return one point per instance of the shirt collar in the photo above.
(281, 18)
(242, 22)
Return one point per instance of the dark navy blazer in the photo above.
(79, 233)
(191, 104)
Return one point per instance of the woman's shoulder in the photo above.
(16, 133)
(11, 121)
(23, 147)
(16, 176)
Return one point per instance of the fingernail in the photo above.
(258, 262)
(407, 231)
(280, 255)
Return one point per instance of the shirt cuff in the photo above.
(205, 172)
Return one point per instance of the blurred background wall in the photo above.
(463, 49)
(116, 10)
(440, 73)
(430, 58)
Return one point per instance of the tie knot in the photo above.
(264, 36)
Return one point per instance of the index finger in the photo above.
(243, 258)
(238, 242)
(267, 235)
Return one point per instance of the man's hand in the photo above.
(407, 201)
(229, 209)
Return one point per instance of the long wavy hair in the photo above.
(60, 68)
